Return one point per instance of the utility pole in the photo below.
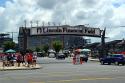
(103, 49)
(12, 33)
(25, 22)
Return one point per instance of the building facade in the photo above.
(4, 38)
(68, 41)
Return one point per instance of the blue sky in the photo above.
(2, 2)
(117, 5)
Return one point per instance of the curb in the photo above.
(1, 69)
(94, 60)
(19, 69)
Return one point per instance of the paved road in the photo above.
(46, 60)
(91, 72)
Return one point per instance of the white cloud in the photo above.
(97, 13)
(1, 10)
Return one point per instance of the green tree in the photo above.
(45, 49)
(57, 45)
(29, 50)
(9, 45)
(37, 49)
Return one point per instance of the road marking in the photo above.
(58, 81)
(96, 78)
(37, 82)
(79, 80)
(72, 80)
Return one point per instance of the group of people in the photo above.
(17, 59)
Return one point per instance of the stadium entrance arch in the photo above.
(29, 36)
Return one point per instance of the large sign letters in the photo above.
(69, 30)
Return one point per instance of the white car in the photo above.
(51, 55)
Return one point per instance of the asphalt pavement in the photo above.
(46, 60)
(66, 72)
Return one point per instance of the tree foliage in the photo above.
(29, 50)
(37, 49)
(9, 45)
(57, 45)
(45, 49)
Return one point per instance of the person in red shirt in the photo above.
(29, 59)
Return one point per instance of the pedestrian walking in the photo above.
(8, 59)
(12, 59)
(4, 60)
(18, 59)
(34, 59)
(29, 59)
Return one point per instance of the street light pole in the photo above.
(12, 33)
(103, 49)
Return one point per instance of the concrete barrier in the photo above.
(19, 68)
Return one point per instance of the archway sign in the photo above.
(79, 30)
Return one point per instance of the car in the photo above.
(119, 59)
(51, 55)
(66, 52)
(106, 60)
(114, 58)
(40, 54)
(60, 56)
